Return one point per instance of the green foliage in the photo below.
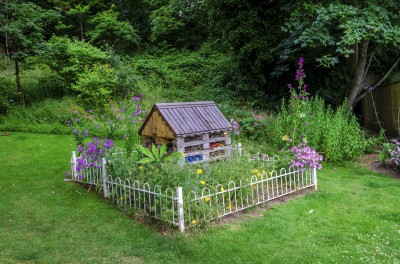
(354, 34)
(68, 58)
(178, 23)
(24, 25)
(337, 27)
(156, 155)
(7, 94)
(239, 28)
(335, 133)
(110, 31)
(47, 116)
(95, 85)
(181, 76)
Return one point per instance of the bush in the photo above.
(95, 85)
(390, 154)
(336, 134)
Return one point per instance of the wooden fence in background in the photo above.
(387, 105)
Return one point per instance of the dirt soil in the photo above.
(371, 161)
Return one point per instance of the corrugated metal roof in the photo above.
(192, 117)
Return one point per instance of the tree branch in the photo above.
(370, 56)
(379, 82)
(387, 73)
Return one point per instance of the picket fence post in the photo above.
(73, 163)
(314, 177)
(104, 177)
(239, 148)
(181, 219)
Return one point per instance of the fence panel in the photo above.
(220, 202)
(210, 204)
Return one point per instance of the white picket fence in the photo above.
(186, 208)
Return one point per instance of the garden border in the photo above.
(169, 205)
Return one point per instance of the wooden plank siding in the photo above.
(188, 128)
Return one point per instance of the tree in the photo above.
(179, 23)
(22, 27)
(80, 12)
(351, 32)
(67, 58)
(249, 32)
(109, 30)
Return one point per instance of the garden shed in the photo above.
(197, 129)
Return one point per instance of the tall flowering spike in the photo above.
(301, 62)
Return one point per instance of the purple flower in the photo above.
(75, 112)
(90, 111)
(86, 133)
(67, 174)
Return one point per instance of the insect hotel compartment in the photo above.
(196, 129)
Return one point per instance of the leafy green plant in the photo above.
(155, 155)
(335, 133)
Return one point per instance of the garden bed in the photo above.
(200, 202)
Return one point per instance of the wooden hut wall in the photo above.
(157, 128)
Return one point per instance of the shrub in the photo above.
(336, 134)
(95, 85)
(390, 154)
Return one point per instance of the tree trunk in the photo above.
(20, 90)
(358, 77)
(81, 27)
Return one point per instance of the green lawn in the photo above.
(353, 217)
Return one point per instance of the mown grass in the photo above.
(353, 217)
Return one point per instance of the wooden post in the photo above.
(181, 219)
(104, 178)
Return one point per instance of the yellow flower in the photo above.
(263, 171)
(285, 138)
(194, 221)
(202, 182)
(121, 198)
(270, 173)
(259, 174)
(229, 206)
(141, 167)
(222, 189)
(225, 133)
(199, 171)
(254, 171)
(207, 199)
